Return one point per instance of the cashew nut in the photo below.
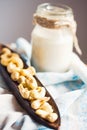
(5, 60)
(32, 70)
(37, 93)
(15, 76)
(21, 79)
(17, 61)
(5, 51)
(47, 107)
(23, 91)
(12, 67)
(31, 82)
(8, 57)
(41, 113)
(35, 104)
(28, 71)
(52, 117)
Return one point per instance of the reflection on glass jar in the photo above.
(53, 37)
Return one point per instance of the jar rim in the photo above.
(54, 10)
(53, 16)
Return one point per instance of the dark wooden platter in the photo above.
(25, 104)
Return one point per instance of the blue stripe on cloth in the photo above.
(74, 85)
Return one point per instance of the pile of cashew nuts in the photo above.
(27, 84)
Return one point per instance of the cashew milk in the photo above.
(52, 38)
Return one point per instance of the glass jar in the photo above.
(52, 38)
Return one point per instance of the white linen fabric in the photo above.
(69, 93)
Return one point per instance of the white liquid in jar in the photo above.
(51, 49)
